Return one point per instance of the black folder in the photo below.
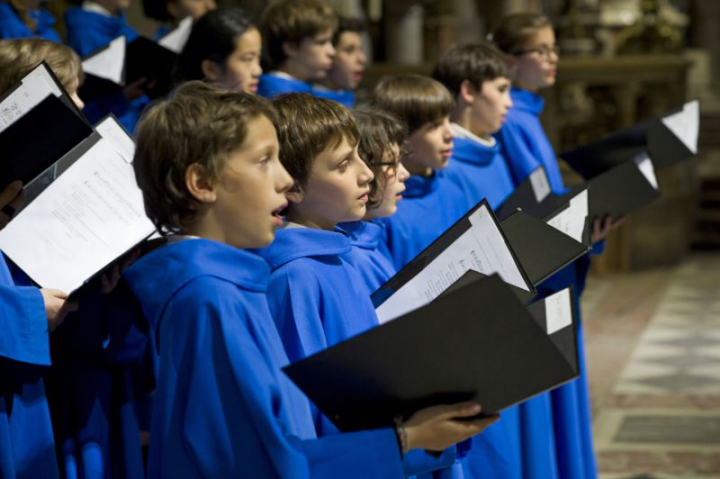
(652, 135)
(39, 138)
(541, 249)
(619, 191)
(445, 240)
(477, 342)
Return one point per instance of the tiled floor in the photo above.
(653, 346)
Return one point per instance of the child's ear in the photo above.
(211, 70)
(467, 91)
(295, 194)
(199, 185)
(290, 49)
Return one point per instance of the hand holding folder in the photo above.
(477, 342)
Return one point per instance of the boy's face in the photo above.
(337, 189)
(391, 184)
(179, 9)
(430, 147)
(250, 192)
(537, 66)
(349, 63)
(313, 57)
(242, 70)
(490, 106)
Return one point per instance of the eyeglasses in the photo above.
(542, 51)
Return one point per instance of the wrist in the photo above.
(401, 435)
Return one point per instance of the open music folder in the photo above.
(475, 242)
(39, 123)
(668, 139)
(476, 342)
(87, 216)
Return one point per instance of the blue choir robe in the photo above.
(223, 407)
(526, 147)
(89, 31)
(344, 97)
(317, 300)
(365, 255)
(12, 26)
(430, 205)
(26, 437)
(161, 32)
(276, 83)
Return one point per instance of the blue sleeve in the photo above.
(23, 326)
(517, 151)
(233, 406)
(295, 299)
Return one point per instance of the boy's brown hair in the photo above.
(349, 24)
(306, 127)
(379, 130)
(18, 57)
(201, 124)
(475, 62)
(512, 33)
(415, 99)
(292, 21)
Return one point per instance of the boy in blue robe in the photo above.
(207, 163)
(298, 38)
(20, 19)
(348, 64)
(431, 202)
(27, 316)
(91, 27)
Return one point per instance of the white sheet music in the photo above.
(540, 184)
(571, 221)
(112, 131)
(83, 221)
(645, 165)
(558, 311)
(176, 39)
(34, 88)
(686, 124)
(481, 248)
(109, 63)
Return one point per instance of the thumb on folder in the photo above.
(57, 306)
(439, 427)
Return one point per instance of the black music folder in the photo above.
(475, 242)
(40, 134)
(476, 342)
(542, 249)
(129, 62)
(668, 139)
(623, 189)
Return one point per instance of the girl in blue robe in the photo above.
(530, 39)
(90, 28)
(26, 437)
(13, 25)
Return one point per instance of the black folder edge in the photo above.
(442, 242)
(541, 224)
(566, 198)
(664, 146)
(99, 51)
(535, 310)
(71, 158)
(513, 202)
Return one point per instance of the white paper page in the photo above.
(571, 221)
(36, 86)
(109, 63)
(685, 124)
(646, 167)
(84, 220)
(112, 131)
(175, 40)
(540, 184)
(481, 248)
(558, 311)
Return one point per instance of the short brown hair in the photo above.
(379, 130)
(19, 56)
(307, 126)
(474, 62)
(349, 24)
(415, 99)
(292, 21)
(201, 124)
(513, 31)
